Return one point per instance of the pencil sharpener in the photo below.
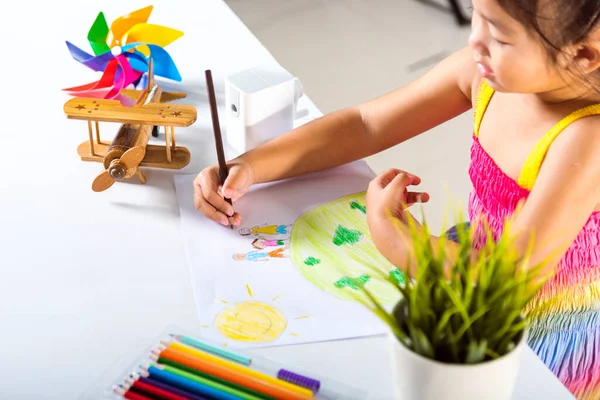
(261, 104)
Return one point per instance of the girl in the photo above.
(530, 72)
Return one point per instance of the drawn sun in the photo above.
(252, 321)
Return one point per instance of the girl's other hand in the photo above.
(388, 194)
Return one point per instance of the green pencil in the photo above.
(197, 376)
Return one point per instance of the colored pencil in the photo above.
(238, 374)
(254, 373)
(168, 388)
(129, 395)
(201, 374)
(155, 391)
(191, 385)
(223, 171)
(212, 349)
(214, 383)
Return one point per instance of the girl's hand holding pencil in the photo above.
(209, 194)
(216, 188)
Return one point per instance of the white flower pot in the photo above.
(419, 378)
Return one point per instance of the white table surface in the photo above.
(86, 277)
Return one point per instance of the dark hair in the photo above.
(559, 23)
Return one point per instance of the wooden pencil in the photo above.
(236, 367)
(223, 170)
(130, 395)
(243, 392)
(189, 383)
(238, 374)
(147, 385)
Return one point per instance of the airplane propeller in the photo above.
(119, 169)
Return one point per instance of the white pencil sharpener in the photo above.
(261, 104)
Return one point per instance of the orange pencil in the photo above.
(236, 367)
(242, 378)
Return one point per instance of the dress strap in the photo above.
(482, 101)
(533, 164)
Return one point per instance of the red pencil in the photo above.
(129, 395)
(155, 391)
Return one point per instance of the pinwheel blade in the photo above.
(96, 63)
(137, 61)
(97, 35)
(150, 33)
(122, 24)
(98, 93)
(105, 82)
(142, 82)
(163, 63)
(126, 77)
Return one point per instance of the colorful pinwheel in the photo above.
(123, 53)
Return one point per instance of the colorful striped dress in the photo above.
(565, 329)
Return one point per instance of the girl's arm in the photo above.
(357, 132)
(565, 194)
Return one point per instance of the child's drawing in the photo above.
(305, 254)
(261, 255)
(344, 236)
(261, 243)
(330, 244)
(271, 230)
(358, 206)
(253, 321)
(265, 248)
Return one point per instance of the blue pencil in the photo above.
(212, 349)
(171, 389)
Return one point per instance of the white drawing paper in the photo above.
(247, 288)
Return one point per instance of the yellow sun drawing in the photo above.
(253, 321)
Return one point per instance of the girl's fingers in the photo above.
(387, 177)
(397, 187)
(415, 179)
(237, 219)
(211, 195)
(417, 197)
(210, 211)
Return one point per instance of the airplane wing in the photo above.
(172, 96)
(166, 97)
(157, 114)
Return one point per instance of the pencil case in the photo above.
(177, 365)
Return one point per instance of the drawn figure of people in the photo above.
(260, 243)
(260, 255)
(265, 230)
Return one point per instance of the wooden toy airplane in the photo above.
(129, 150)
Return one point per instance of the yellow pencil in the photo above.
(240, 368)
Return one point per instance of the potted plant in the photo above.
(458, 330)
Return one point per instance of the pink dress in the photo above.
(565, 332)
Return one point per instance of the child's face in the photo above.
(509, 56)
